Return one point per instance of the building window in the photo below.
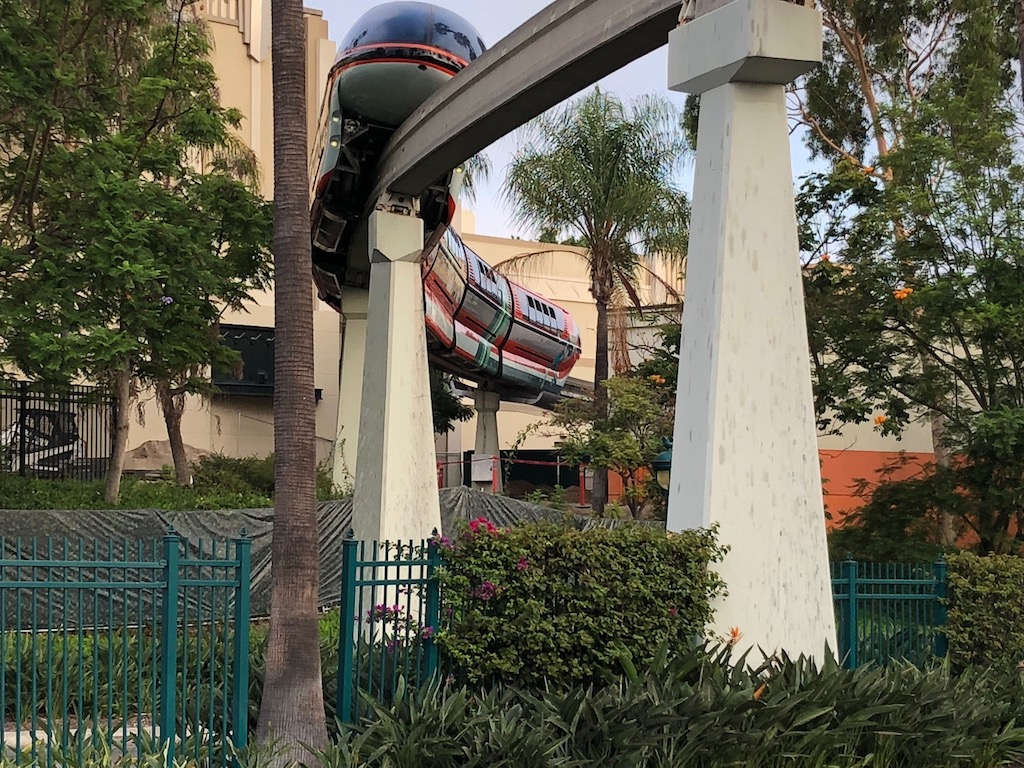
(256, 347)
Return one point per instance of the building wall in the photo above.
(243, 425)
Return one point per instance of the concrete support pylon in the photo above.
(486, 474)
(354, 307)
(396, 494)
(745, 451)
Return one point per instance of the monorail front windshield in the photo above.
(415, 24)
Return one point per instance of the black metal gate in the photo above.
(67, 434)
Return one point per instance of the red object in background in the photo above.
(842, 472)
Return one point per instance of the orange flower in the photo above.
(880, 420)
(734, 635)
(869, 169)
(826, 257)
(656, 378)
(902, 293)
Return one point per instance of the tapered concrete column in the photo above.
(487, 448)
(745, 454)
(396, 481)
(354, 303)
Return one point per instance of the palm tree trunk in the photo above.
(599, 495)
(122, 409)
(173, 408)
(292, 710)
(1018, 12)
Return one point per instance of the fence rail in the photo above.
(390, 610)
(136, 644)
(391, 606)
(889, 611)
(56, 434)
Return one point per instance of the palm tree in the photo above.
(1018, 15)
(602, 172)
(292, 710)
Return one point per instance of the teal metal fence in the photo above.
(391, 607)
(390, 611)
(131, 645)
(889, 611)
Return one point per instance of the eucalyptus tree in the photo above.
(604, 171)
(109, 260)
(912, 305)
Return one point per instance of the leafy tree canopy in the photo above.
(128, 217)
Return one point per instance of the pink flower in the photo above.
(673, 612)
(427, 633)
(523, 564)
(482, 524)
(485, 591)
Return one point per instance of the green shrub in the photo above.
(219, 482)
(985, 619)
(38, 493)
(549, 602)
(249, 475)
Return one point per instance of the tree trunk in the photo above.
(292, 710)
(173, 408)
(122, 421)
(947, 530)
(599, 495)
(1018, 12)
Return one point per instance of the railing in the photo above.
(390, 610)
(391, 606)
(889, 611)
(55, 434)
(135, 645)
(225, 10)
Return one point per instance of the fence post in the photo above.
(941, 594)
(349, 625)
(22, 408)
(240, 650)
(169, 643)
(433, 617)
(850, 576)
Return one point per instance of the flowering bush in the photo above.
(548, 602)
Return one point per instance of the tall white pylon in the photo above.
(745, 451)
(396, 495)
(354, 307)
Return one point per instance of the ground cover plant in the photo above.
(219, 482)
(699, 710)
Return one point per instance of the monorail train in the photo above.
(480, 325)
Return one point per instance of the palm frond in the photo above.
(605, 171)
(517, 265)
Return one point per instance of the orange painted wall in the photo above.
(841, 475)
(841, 472)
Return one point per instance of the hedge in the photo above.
(985, 618)
(547, 602)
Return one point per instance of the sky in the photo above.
(494, 19)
